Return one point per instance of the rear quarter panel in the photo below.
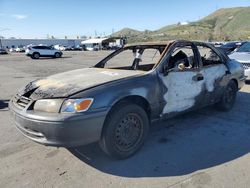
(237, 72)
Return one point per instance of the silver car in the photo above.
(242, 55)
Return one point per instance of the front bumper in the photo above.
(57, 129)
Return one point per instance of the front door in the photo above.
(184, 82)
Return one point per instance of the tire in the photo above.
(125, 130)
(36, 56)
(57, 55)
(228, 98)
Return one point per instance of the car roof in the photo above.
(164, 43)
(160, 43)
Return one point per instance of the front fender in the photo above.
(106, 95)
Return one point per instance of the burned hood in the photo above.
(68, 83)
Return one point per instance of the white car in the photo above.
(11, 50)
(19, 49)
(35, 52)
(242, 55)
(60, 47)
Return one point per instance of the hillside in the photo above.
(223, 24)
(127, 32)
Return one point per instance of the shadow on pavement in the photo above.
(182, 145)
(46, 58)
(4, 104)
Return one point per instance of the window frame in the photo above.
(161, 49)
(179, 45)
(246, 44)
(211, 48)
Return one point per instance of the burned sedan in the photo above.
(115, 101)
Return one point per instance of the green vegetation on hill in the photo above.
(223, 24)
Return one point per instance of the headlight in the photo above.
(76, 105)
(48, 105)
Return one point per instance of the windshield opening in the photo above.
(133, 58)
(244, 48)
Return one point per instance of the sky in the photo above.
(71, 18)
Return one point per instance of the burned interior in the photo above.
(145, 57)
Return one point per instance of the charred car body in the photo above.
(114, 103)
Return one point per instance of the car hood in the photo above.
(243, 57)
(68, 83)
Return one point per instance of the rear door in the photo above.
(48, 51)
(214, 71)
(41, 50)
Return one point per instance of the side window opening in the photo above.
(209, 56)
(182, 58)
(149, 58)
(244, 48)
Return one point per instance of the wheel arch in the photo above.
(36, 53)
(134, 99)
(236, 82)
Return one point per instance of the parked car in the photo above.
(60, 47)
(68, 48)
(12, 50)
(77, 48)
(114, 101)
(231, 46)
(19, 49)
(73, 48)
(242, 55)
(3, 52)
(35, 52)
(91, 47)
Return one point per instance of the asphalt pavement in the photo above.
(204, 148)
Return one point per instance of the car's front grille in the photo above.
(246, 65)
(21, 101)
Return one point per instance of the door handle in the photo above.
(198, 77)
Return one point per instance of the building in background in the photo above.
(14, 43)
(89, 44)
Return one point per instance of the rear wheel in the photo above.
(57, 55)
(228, 98)
(35, 55)
(124, 131)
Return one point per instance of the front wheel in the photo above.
(124, 131)
(228, 98)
